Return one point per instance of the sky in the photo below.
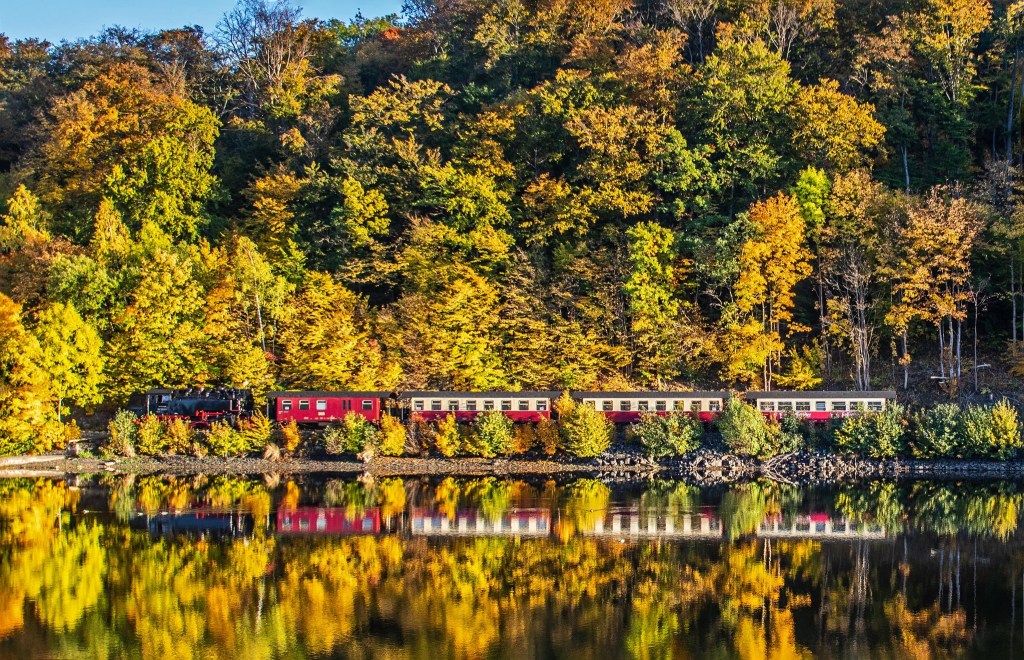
(57, 20)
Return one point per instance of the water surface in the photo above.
(226, 567)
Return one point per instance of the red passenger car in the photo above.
(819, 406)
(327, 520)
(319, 407)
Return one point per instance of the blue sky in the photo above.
(56, 20)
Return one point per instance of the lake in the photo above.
(277, 567)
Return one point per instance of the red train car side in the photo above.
(322, 407)
(328, 520)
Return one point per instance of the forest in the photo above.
(509, 194)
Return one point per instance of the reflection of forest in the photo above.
(945, 580)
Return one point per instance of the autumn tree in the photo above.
(26, 416)
(327, 341)
(772, 261)
(70, 354)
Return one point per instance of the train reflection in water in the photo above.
(627, 523)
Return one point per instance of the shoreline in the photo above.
(701, 467)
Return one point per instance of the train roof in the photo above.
(652, 395)
(443, 394)
(830, 394)
(325, 393)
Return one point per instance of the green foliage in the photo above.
(71, 354)
(258, 431)
(937, 432)
(585, 431)
(493, 432)
(875, 434)
(124, 434)
(352, 436)
(222, 439)
(745, 430)
(668, 435)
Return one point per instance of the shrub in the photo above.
(585, 430)
(353, 436)
(290, 436)
(1006, 436)
(670, 435)
(448, 437)
(258, 431)
(392, 436)
(495, 431)
(180, 436)
(991, 432)
(937, 432)
(524, 438)
(548, 436)
(745, 430)
(152, 436)
(874, 434)
(123, 434)
(224, 440)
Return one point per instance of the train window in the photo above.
(643, 405)
(488, 405)
(435, 404)
(678, 404)
(875, 406)
(839, 406)
(417, 404)
(767, 406)
(367, 404)
(303, 404)
(715, 406)
(523, 404)
(453, 405)
(660, 406)
(542, 405)
(506, 404)
(625, 406)
(803, 406)
(321, 404)
(819, 406)
(471, 405)
(857, 405)
(286, 404)
(785, 406)
(695, 406)
(606, 405)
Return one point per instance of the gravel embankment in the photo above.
(705, 466)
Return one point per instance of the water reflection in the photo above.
(466, 568)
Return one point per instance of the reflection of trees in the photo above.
(941, 508)
(108, 591)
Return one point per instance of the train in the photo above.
(323, 407)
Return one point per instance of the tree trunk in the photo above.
(1013, 295)
(942, 351)
(904, 360)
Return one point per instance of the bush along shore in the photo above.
(945, 440)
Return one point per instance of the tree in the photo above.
(771, 262)
(585, 431)
(933, 263)
(26, 416)
(327, 340)
(671, 435)
(833, 130)
(124, 138)
(494, 431)
(71, 355)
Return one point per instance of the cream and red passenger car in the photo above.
(819, 406)
(626, 407)
(517, 406)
